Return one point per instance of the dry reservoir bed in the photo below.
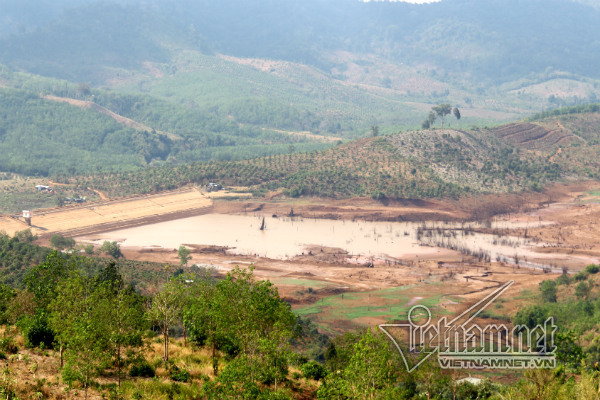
(320, 265)
(285, 238)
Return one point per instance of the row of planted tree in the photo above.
(99, 323)
(100, 327)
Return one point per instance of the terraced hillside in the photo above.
(535, 137)
(569, 139)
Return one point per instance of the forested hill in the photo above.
(497, 41)
(234, 79)
(411, 164)
(71, 130)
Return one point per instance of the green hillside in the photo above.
(408, 164)
(416, 164)
(213, 109)
(160, 85)
(498, 42)
(279, 95)
(51, 127)
(40, 137)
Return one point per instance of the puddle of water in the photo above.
(285, 238)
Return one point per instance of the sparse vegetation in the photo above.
(404, 165)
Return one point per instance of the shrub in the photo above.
(112, 249)
(531, 316)
(60, 242)
(582, 290)
(143, 369)
(89, 249)
(8, 345)
(581, 276)
(37, 331)
(548, 289)
(179, 375)
(564, 279)
(592, 269)
(313, 370)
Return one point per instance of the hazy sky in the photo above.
(408, 1)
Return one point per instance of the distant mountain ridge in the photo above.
(495, 40)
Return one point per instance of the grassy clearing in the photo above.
(590, 197)
(526, 295)
(383, 305)
(18, 193)
(15, 202)
(301, 282)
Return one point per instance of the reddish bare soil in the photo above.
(349, 209)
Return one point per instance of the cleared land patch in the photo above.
(532, 136)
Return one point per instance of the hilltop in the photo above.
(412, 164)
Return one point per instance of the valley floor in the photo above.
(339, 290)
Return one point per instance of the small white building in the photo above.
(43, 188)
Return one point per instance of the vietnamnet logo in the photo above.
(460, 343)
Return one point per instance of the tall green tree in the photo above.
(246, 318)
(184, 255)
(166, 310)
(431, 117)
(43, 282)
(202, 316)
(371, 371)
(122, 310)
(374, 130)
(456, 112)
(7, 295)
(79, 325)
(442, 110)
(252, 312)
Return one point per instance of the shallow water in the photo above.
(287, 237)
